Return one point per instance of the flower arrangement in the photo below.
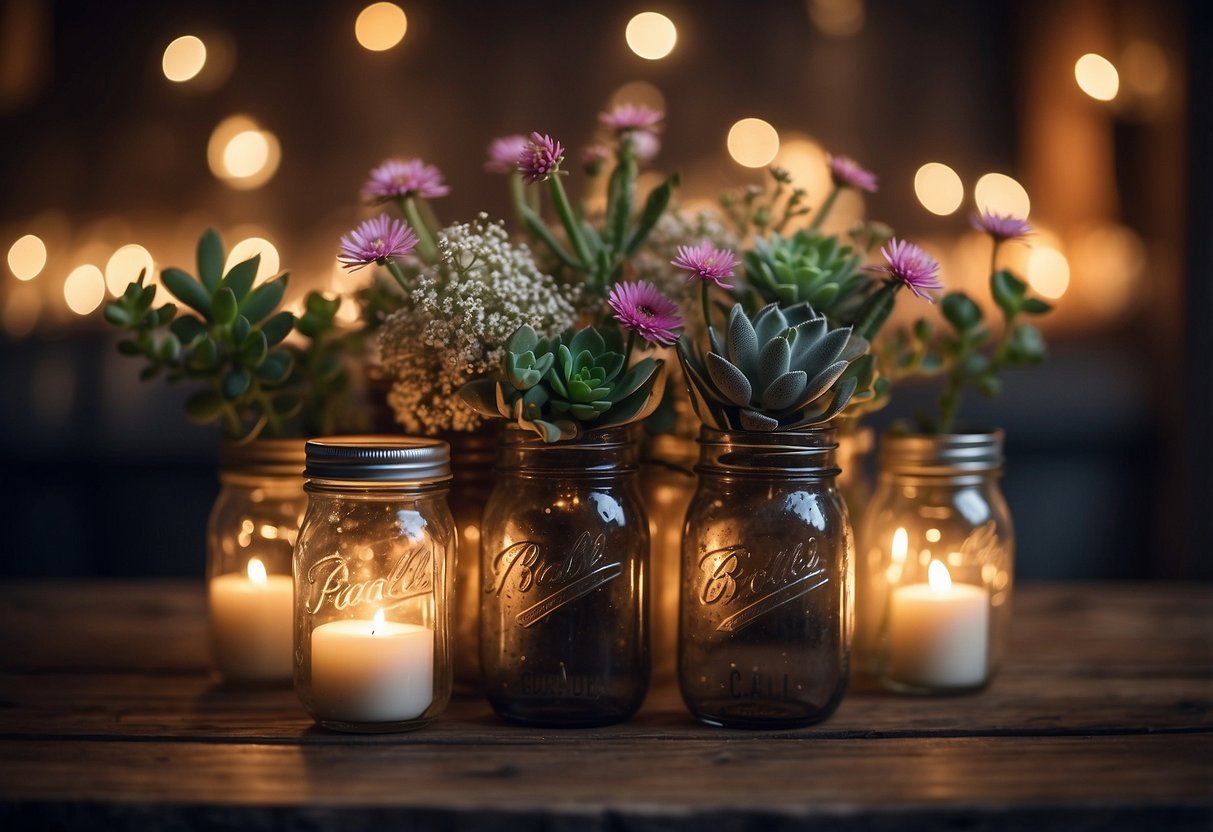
(231, 339)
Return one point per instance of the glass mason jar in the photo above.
(854, 476)
(249, 537)
(563, 610)
(767, 582)
(667, 483)
(935, 577)
(373, 581)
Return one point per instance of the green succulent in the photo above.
(563, 386)
(807, 267)
(230, 340)
(784, 369)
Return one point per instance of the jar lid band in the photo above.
(382, 459)
(941, 455)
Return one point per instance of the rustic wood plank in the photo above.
(1090, 782)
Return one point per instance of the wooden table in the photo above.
(1101, 719)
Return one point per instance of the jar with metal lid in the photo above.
(373, 574)
(767, 583)
(936, 571)
(564, 615)
(250, 535)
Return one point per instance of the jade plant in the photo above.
(564, 386)
(230, 338)
(782, 369)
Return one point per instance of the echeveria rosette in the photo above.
(806, 267)
(781, 370)
(562, 387)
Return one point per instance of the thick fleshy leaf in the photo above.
(504, 406)
(753, 420)
(820, 384)
(822, 353)
(189, 329)
(263, 300)
(241, 330)
(533, 402)
(275, 368)
(854, 349)
(587, 339)
(187, 290)
(774, 361)
(729, 380)
(783, 391)
(769, 322)
(210, 259)
(742, 342)
(240, 277)
(278, 327)
(634, 378)
(481, 395)
(236, 383)
(523, 339)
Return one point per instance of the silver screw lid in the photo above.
(941, 455)
(397, 460)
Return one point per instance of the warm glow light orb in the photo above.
(242, 154)
(837, 18)
(1001, 194)
(380, 26)
(124, 266)
(27, 257)
(1048, 272)
(939, 188)
(183, 58)
(651, 35)
(250, 246)
(246, 154)
(753, 142)
(1097, 77)
(84, 289)
(638, 92)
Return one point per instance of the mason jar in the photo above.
(373, 583)
(936, 573)
(250, 534)
(767, 582)
(563, 611)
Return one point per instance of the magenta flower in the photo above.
(540, 158)
(707, 263)
(846, 173)
(628, 117)
(1001, 226)
(645, 145)
(399, 178)
(375, 241)
(912, 266)
(504, 153)
(640, 308)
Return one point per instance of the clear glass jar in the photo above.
(667, 483)
(935, 578)
(767, 582)
(563, 616)
(373, 581)
(250, 534)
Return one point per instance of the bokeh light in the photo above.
(1048, 272)
(1001, 194)
(27, 257)
(753, 142)
(638, 92)
(184, 58)
(242, 154)
(22, 307)
(1097, 77)
(250, 246)
(651, 35)
(84, 289)
(837, 18)
(1109, 262)
(1144, 68)
(380, 26)
(938, 188)
(124, 266)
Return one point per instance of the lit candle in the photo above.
(939, 632)
(372, 671)
(252, 624)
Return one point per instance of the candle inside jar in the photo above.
(251, 624)
(372, 670)
(939, 632)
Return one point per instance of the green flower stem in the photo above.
(273, 423)
(627, 355)
(707, 304)
(949, 401)
(396, 273)
(994, 257)
(537, 228)
(232, 420)
(518, 195)
(824, 210)
(425, 237)
(569, 220)
(876, 310)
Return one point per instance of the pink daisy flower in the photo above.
(399, 178)
(375, 241)
(640, 308)
(912, 266)
(504, 153)
(846, 173)
(627, 117)
(707, 263)
(1001, 226)
(540, 158)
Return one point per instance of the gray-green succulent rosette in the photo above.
(562, 387)
(780, 370)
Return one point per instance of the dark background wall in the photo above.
(1107, 444)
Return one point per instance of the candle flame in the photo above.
(377, 622)
(901, 545)
(256, 571)
(938, 577)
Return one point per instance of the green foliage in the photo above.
(564, 386)
(807, 267)
(783, 369)
(229, 338)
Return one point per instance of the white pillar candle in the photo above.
(372, 671)
(252, 624)
(939, 632)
